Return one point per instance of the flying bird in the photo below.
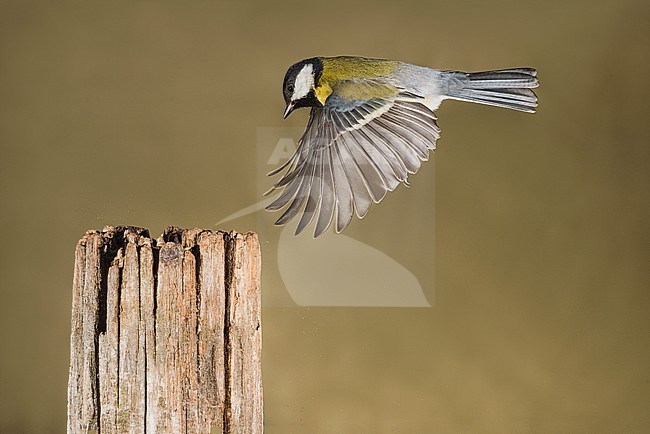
(372, 123)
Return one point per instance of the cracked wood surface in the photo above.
(166, 333)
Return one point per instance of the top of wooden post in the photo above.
(166, 333)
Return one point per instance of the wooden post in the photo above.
(166, 334)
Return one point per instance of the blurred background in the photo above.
(147, 113)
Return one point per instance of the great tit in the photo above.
(372, 123)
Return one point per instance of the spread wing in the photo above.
(350, 156)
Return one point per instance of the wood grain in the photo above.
(166, 333)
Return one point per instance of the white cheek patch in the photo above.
(304, 82)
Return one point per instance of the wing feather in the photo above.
(388, 151)
(314, 194)
(370, 173)
(406, 152)
(342, 192)
(377, 159)
(411, 135)
(360, 194)
(423, 124)
(288, 193)
(302, 193)
(328, 198)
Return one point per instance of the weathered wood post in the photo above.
(166, 334)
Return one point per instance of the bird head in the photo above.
(300, 84)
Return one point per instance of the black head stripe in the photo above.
(308, 101)
(318, 69)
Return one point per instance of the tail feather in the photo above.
(507, 88)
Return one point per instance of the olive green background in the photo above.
(146, 113)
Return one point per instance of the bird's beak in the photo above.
(289, 109)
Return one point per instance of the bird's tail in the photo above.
(507, 88)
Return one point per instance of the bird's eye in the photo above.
(290, 88)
